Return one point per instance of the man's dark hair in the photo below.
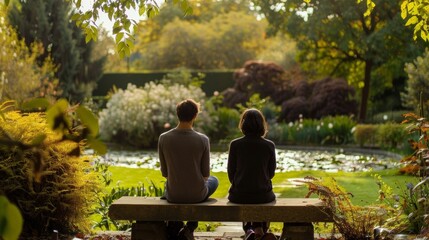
(252, 123)
(187, 110)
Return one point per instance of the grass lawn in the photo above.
(362, 185)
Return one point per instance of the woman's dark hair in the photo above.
(252, 123)
(187, 110)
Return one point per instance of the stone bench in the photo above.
(150, 213)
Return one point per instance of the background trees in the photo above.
(418, 82)
(21, 77)
(219, 43)
(336, 38)
(48, 22)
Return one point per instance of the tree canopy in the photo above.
(123, 24)
(123, 27)
(340, 38)
(48, 22)
(21, 77)
(217, 43)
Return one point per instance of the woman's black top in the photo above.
(251, 166)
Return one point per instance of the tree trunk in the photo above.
(365, 91)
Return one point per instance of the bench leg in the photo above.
(297, 231)
(148, 231)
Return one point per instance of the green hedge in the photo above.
(390, 136)
(213, 81)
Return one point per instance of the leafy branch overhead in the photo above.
(415, 12)
(123, 27)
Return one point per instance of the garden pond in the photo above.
(295, 159)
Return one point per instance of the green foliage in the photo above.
(137, 116)
(392, 135)
(326, 131)
(353, 222)
(44, 174)
(391, 116)
(418, 161)
(389, 136)
(224, 127)
(415, 198)
(48, 22)
(365, 135)
(280, 49)
(265, 105)
(418, 83)
(219, 43)
(417, 15)
(409, 204)
(123, 26)
(109, 194)
(415, 205)
(343, 39)
(21, 75)
(10, 220)
(43, 171)
(184, 77)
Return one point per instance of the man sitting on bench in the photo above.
(185, 162)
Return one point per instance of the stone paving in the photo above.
(227, 231)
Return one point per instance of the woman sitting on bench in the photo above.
(251, 166)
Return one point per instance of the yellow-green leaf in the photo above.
(404, 13)
(10, 219)
(116, 30)
(88, 119)
(38, 139)
(119, 36)
(413, 20)
(404, 5)
(410, 6)
(142, 10)
(75, 16)
(88, 37)
(57, 113)
(98, 146)
(418, 26)
(129, 42)
(7, 106)
(36, 104)
(424, 35)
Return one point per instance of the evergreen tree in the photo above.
(48, 21)
(417, 84)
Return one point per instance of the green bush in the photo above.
(392, 135)
(328, 130)
(416, 95)
(137, 116)
(278, 132)
(392, 116)
(57, 196)
(106, 197)
(365, 135)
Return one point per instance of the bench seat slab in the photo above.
(281, 210)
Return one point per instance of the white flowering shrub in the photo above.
(138, 115)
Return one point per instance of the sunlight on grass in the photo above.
(361, 184)
(128, 177)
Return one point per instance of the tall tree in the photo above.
(210, 38)
(48, 22)
(223, 42)
(340, 38)
(21, 77)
